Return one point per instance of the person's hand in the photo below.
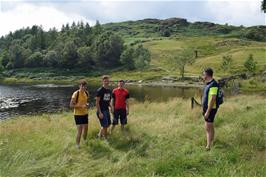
(206, 115)
(101, 115)
(84, 106)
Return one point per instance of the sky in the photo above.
(16, 14)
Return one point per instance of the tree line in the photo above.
(75, 46)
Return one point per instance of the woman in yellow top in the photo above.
(79, 102)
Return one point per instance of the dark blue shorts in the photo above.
(120, 114)
(211, 116)
(106, 120)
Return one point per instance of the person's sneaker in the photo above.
(77, 146)
(208, 148)
(98, 136)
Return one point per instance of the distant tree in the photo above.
(142, 57)
(69, 58)
(108, 48)
(97, 28)
(250, 64)
(16, 56)
(73, 26)
(51, 37)
(5, 58)
(85, 57)
(226, 62)
(263, 6)
(35, 60)
(51, 59)
(127, 58)
(87, 29)
(182, 59)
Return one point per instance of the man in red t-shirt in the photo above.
(119, 105)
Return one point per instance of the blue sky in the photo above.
(15, 14)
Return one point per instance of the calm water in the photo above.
(21, 100)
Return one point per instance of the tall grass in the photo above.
(162, 139)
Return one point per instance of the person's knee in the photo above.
(85, 127)
(209, 127)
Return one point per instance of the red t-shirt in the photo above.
(120, 95)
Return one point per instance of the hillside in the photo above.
(178, 26)
(89, 51)
(162, 139)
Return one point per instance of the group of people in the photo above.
(116, 100)
(106, 100)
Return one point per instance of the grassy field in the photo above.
(162, 139)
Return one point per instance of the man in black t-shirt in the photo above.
(103, 99)
(209, 104)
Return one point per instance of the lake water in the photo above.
(22, 100)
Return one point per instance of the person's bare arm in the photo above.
(98, 107)
(98, 104)
(112, 105)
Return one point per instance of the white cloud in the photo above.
(24, 15)
(246, 13)
(16, 14)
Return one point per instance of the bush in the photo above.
(250, 64)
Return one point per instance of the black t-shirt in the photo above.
(105, 97)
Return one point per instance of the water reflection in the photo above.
(18, 100)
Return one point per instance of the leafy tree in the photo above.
(69, 58)
(250, 64)
(5, 58)
(85, 56)
(142, 57)
(226, 62)
(35, 60)
(263, 6)
(51, 59)
(108, 48)
(127, 58)
(182, 59)
(16, 56)
(97, 28)
(87, 29)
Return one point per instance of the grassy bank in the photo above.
(163, 139)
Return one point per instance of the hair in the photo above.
(82, 82)
(208, 71)
(105, 77)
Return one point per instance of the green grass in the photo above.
(162, 139)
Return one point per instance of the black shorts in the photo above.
(83, 119)
(120, 114)
(211, 116)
